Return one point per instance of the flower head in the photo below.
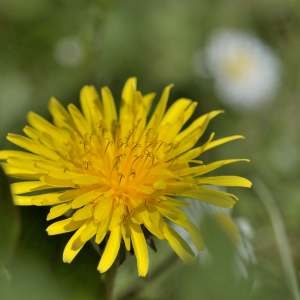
(114, 177)
(246, 71)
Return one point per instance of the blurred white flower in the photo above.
(245, 255)
(245, 70)
(68, 51)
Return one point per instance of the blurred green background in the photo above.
(52, 48)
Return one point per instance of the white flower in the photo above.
(246, 71)
(245, 254)
(68, 51)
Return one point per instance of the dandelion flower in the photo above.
(245, 70)
(115, 177)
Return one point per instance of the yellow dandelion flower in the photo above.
(115, 177)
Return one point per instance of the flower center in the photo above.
(238, 65)
(132, 169)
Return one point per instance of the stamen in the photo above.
(86, 164)
(106, 147)
(132, 174)
(121, 177)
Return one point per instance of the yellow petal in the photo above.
(128, 112)
(87, 94)
(177, 243)
(172, 212)
(71, 194)
(210, 144)
(85, 235)
(152, 221)
(76, 178)
(118, 214)
(214, 197)
(126, 236)
(78, 119)
(203, 169)
(129, 89)
(111, 250)
(195, 235)
(85, 179)
(140, 249)
(222, 141)
(103, 209)
(58, 210)
(63, 226)
(91, 106)
(42, 125)
(175, 118)
(32, 146)
(21, 173)
(147, 101)
(102, 231)
(54, 182)
(32, 133)
(86, 198)
(109, 108)
(69, 253)
(227, 223)
(6, 154)
(225, 181)
(180, 109)
(200, 193)
(83, 213)
(199, 123)
(39, 200)
(28, 165)
(59, 113)
(160, 108)
(179, 218)
(189, 137)
(102, 214)
(27, 187)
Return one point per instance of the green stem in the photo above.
(135, 290)
(109, 282)
(283, 245)
(108, 279)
